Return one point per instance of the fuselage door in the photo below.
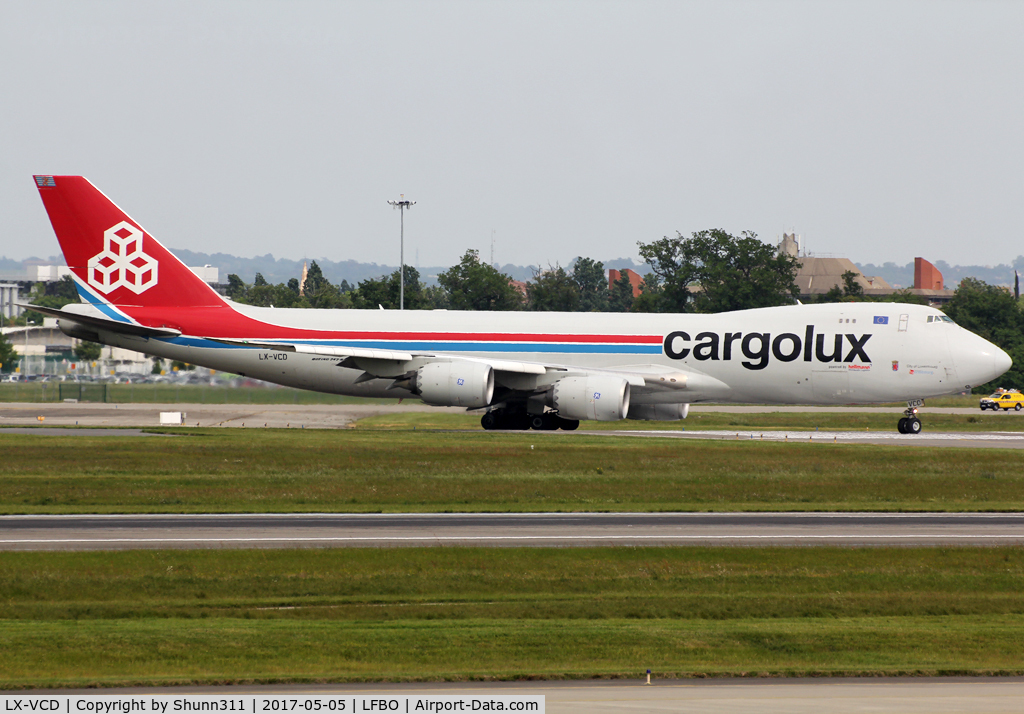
(904, 321)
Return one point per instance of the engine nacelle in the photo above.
(74, 329)
(598, 397)
(455, 384)
(658, 412)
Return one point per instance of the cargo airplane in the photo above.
(523, 370)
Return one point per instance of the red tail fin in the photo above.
(113, 259)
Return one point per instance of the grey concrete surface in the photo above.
(110, 532)
(962, 440)
(296, 416)
(931, 695)
(320, 416)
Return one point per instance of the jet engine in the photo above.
(658, 412)
(455, 384)
(73, 329)
(596, 397)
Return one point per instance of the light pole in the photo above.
(401, 204)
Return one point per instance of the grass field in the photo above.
(460, 613)
(365, 470)
(167, 617)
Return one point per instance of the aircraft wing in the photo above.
(391, 363)
(361, 354)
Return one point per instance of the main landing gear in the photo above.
(508, 420)
(910, 424)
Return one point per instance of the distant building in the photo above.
(817, 275)
(634, 279)
(8, 299)
(926, 275)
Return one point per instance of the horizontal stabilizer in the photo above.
(100, 323)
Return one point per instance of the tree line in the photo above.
(470, 285)
(707, 272)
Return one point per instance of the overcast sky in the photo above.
(877, 131)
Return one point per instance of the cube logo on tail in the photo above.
(122, 263)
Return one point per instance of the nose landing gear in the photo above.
(910, 424)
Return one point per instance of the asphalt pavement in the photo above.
(329, 530)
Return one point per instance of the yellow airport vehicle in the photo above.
(1004, 399)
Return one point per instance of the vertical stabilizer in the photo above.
(112, 258)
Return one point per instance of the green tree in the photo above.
(590, 279)
(261, 295)
(553, 290)
(385, 292)
(8, 357)
(88, 351)
(55, 295)
(259, 281)
(237, 289)
(992, 313)
(65, 288)
(318, 290)
(851, 288)
(729, 272)
(472, 285)
(435, 297)
(621, 299)
(651, 297)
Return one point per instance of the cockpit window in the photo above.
(940, 318)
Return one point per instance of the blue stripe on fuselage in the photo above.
(424, 346)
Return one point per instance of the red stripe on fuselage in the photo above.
(222, 321)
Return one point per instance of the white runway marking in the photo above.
(833, 435)
(434, 539)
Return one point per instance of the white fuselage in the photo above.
(858, 352)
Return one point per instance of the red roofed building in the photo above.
(926, 275)
(634, 279)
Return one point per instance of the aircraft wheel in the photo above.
(538, 422)
(489, 421)
(568, 424)
(551, 422)
(901, 425)
(913, 426)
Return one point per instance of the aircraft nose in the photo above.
(1001, 362)
(977, 360)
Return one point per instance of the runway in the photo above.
(112, 532)
(125, 420)
(274, 416)
(962, 440)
